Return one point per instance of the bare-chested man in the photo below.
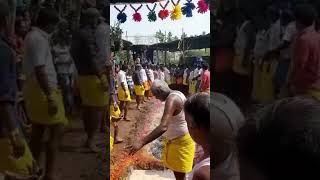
(179, 148)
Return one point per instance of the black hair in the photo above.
(205, 66)
(47, 16)
(198, 106)
(124, 67)
(4, 12)
(283, 139)
(305, 14)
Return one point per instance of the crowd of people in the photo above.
(43, 63)
(46, 66)
(268, 56)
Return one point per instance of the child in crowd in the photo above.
(115, 117)
(197, 113)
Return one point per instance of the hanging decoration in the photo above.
(202, 6)
(152, 17)
(136, 16)
(176, 13)
(152, 1)
(163, 13)
(122, 17)
(187, 8)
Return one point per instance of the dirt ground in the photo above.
(120, 161)
(77, 164)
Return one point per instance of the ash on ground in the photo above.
(156, 148)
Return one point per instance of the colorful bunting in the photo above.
(122, 17)
(163, 13)
(176, 13)
(136, 16)
(187, 8)
(152, 17)
(202, 6)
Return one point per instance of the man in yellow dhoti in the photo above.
(179, 148)
(43, 98)
(15, 156)
(93, 74)
(123, 91)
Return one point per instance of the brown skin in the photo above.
(56, 131)
(201, 137)
(124, 104)
(7, 113)
(173, 107)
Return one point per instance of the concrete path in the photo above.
(150, 174)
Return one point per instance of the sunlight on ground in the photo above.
(149, 174)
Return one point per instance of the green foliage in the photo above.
(161, 36)
(195, 53)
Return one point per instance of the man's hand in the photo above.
(52, 107)
(135, 147)
(17, 145)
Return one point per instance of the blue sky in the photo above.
(191, 26)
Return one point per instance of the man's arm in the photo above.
(162, 128)
(37, 48)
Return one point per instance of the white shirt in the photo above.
(191, 76)
(241, 40)
(185, 75)
(261, 44)
(122, 79)
(167, 74)
(200, 73)
(177, 126)
(161, 75)
(289, 34)
(62, 60)
(103, 41)
(144, 76)
(197, 167)
(275, 35)
(151, 75)
(38, 53)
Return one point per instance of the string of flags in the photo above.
(175, 13)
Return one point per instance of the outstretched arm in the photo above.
(162, 128)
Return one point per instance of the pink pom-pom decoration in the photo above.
(202, 6)
(163, 14)
(137, 17)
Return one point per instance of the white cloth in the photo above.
(228, 170)
(144, 76)
(103, 42)
(200, 73)
(122, 79)
(178, 125)
(191, 76)
(162, 76)
(62, 59)
(261, 44)
(185, 76)
(275, 35)
(167, 74)
(289, 34)
(38, 53)
(241, 40)
(151, 75)
(197, 167)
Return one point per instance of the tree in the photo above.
(204, 33)
(184, 35)
(175, 38)
(160, 36)
(169, 37)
